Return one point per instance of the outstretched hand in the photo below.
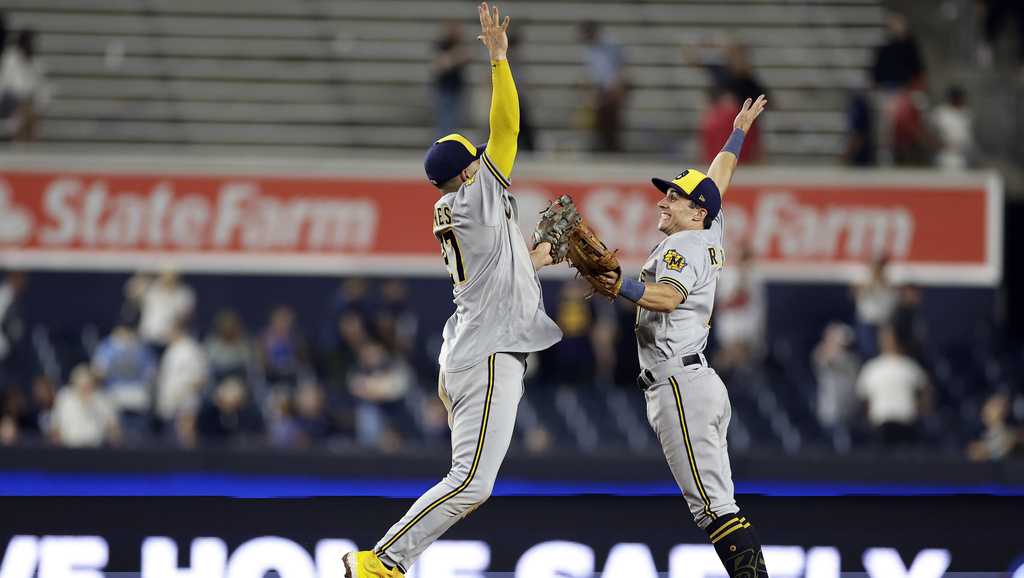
(493, 31)
(749, 113)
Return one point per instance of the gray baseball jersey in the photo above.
(498, 302)
(689, 261)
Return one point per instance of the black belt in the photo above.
(646, 378)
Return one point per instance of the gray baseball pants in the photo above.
(689, 409)
(482, 402)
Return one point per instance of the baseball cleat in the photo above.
(365, 564)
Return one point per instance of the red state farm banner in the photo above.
(806, 227)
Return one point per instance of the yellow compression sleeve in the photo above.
(502, 143)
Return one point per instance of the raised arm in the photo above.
(504, 118)
(724, 165)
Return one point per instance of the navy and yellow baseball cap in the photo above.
(697, 187)
(448, 156)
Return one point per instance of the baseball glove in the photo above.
(591, 257)
(570, 237)
(557, 222)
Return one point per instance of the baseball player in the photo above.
(499, 318)
(687, 403)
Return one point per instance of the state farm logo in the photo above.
(777, 225)
(238, 215)
(15, 222)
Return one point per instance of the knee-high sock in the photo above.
(737, 545)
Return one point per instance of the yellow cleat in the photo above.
(365, 564)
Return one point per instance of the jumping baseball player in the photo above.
(687, 403)
(499, 318)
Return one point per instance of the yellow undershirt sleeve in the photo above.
(504, 120)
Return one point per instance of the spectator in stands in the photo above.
(571, 360)
(911, 138)
(836, 367)
(861, 139)
(994, 16)
(450, 61)
(896, 391)
(134, 296)
(954, 130)
(908, 324)
(15, 354)
(127, 368)
(999, 439)
(379, 382)
(340, 360)
(228, 348)
(312, 420)
(733, 80)
(227, 416)
(396, 323)
(166, 303)
(282, 349)
(739, 312)
(607, 86)
(24, 86)
(353, 296)
(182, 376)
(84, 416)
(897, 63)
(876, 300)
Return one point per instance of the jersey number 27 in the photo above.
(452, 254)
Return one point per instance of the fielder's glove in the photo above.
(557, 222)
(570, 237)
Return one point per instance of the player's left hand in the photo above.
(749, 113)
(606, 283)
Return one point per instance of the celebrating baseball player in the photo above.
(499, 317)
(687, 403)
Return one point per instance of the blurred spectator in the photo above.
(908, 324)
(396, 323)
(15, 357)
(282, 349)
(954, 129)
(166, 303)
(312, 419)
(897, 62)
(379, 382)
(342, 358)
(134, 295)
(732, 81)
(527, 130)
(228, 349)
(83, 416)
(896, 390)
(127, 368)
(449, 64)
(24, 90)
(911, 139)
(26, 418)
(352, 297)
(716, 124)
(994, 15)
(227, 416)
(876, 300)
(604, 336)
(861, 143)
(998, 440)
(607, 84)
(739, 312)
(571, 360)
(835, 368)
(183, 374)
